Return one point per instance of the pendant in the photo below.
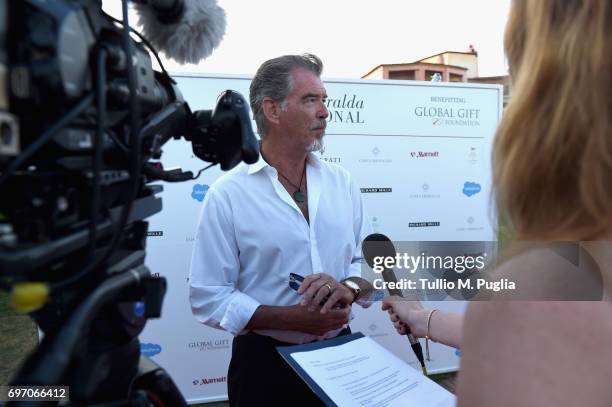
(298, 196)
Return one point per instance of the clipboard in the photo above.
(286, 351)
(361, 370)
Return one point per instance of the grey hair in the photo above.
(274, 80)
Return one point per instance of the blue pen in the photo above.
(295, 280)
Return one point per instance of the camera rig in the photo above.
(83, 118)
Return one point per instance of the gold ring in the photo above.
(328, 286)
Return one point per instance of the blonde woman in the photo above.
(553, 182)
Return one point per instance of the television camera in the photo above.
(83, 119)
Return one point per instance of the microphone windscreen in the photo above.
(379, 245)
(192, 38)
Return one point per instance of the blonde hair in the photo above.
(553, 149)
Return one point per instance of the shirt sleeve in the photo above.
(361, 229)
(213, 275)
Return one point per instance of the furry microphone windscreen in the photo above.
(198, 32)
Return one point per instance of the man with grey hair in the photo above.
(288, 213)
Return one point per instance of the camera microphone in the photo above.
(186, 31)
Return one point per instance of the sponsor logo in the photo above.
(448, 115)
(426, 193)
(209, 380)
(423, 224)
(472, 156)
(209, 345)
(438, 112)
(424, 154)
(375, 190)
(155, 233)
(199, 192)
(470, 226)
(471, 188)
(346, 109)
(190, 239)
(150, 349)
(373, 328)
(331, 159)
(375, 224)
(375, 157)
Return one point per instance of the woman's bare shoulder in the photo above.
(530, 353)
(553, 272)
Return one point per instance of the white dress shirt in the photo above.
(251, 235)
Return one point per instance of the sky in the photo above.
(352, 36)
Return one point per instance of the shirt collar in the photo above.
(311, 158)
(256, 167)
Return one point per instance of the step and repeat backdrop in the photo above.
(421, 154)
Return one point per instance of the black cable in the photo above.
(47, 135)
(118, 142)
(97, 149)
(135, 165)
(134, 160)
(149, 46)
(203, 169)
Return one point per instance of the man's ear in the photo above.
(271, 110)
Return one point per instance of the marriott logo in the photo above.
(424, 154)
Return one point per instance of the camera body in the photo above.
(83, 119)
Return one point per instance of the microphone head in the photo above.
(377, 237)
(192, 37)
(377, 245)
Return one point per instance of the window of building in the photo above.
(405, 75)
(453, 77)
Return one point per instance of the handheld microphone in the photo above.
(379, 245)
(184, 30)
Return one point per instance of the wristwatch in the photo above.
(354, 287)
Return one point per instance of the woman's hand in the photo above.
(406, 315)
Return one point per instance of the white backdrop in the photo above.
(420, 151)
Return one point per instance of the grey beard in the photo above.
(317, 145)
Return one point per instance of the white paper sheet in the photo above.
(363, 373)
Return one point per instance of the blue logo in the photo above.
(199, 192)
(139, 308)
(471, 188)
(458, 352)
(150, 349)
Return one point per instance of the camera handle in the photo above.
(55, 357)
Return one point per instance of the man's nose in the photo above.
(323, 113)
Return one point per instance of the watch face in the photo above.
(352, 285)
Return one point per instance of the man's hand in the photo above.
(312, 322)
(298, 318)
(316, 287)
